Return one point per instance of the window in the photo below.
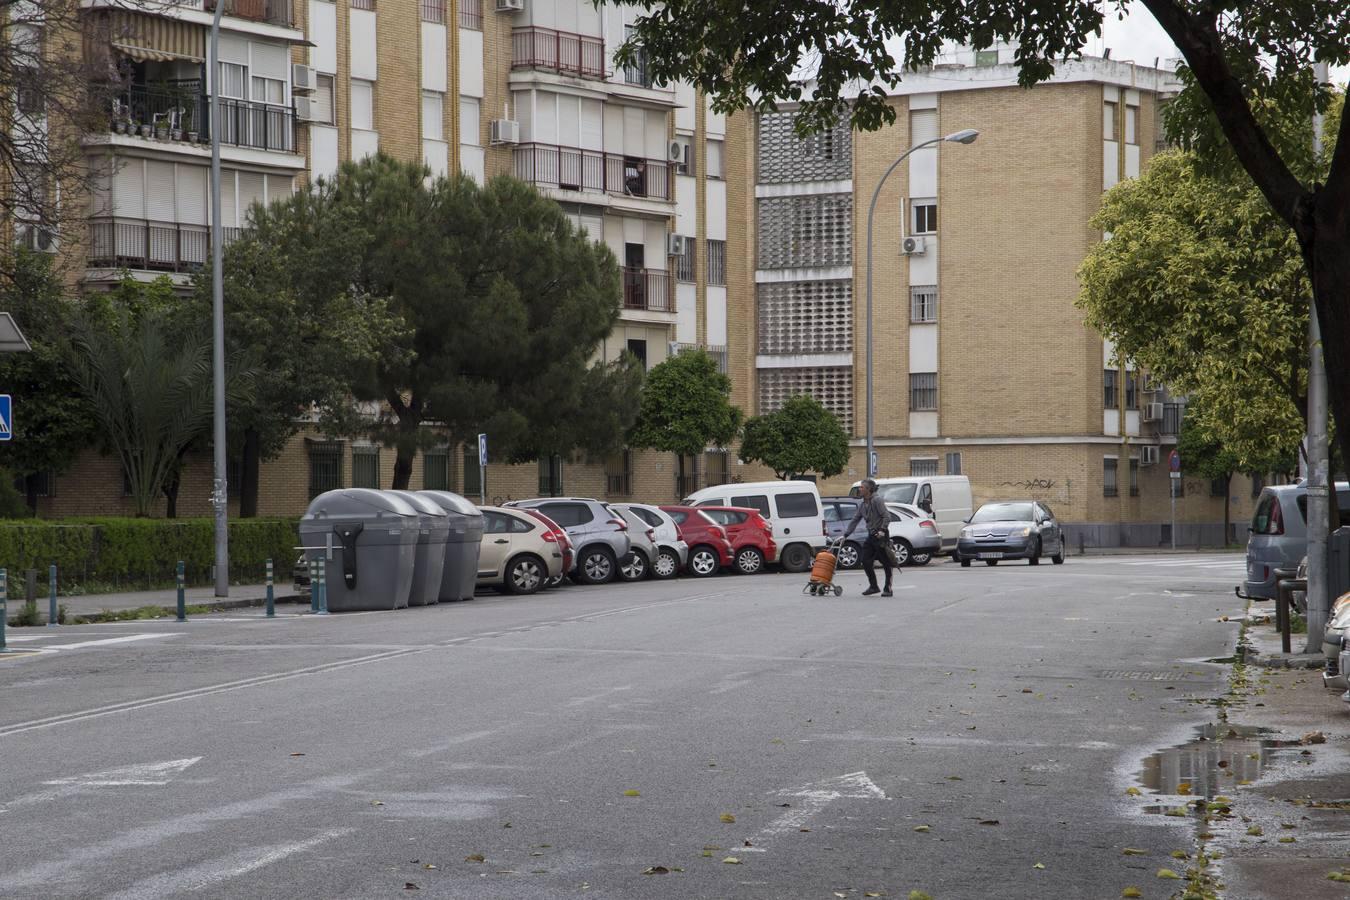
(321, 103)
(363, 105)
(1134, 476)
(716, 467)
(325, 467)
(923, 392)
(433, 11)
(568, 515)
(755, 501)
(925, 216)
(474, 482)
(1218, 487)
(684, 263)
(636, 73)
(366, 467)
(954, 463)
(1109, 120)
(233, 81)
(1131, 124)
(471, 14)
(638, 347)
(717, 262)
(551, 476)
(619, 477)
(436, 469)
(1109, 487)
(1109, 398)
(469, 131)
(923, 303)
(715, 164)
(923, 467)
(795, 506)
(269, 90)
(1131, 390)
(31, 100)
(44, 484)
(363, 4)
(986, 57)
(433, 106)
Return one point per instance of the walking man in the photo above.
(878, 518)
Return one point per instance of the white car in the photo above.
(672, 553)
(1336, 644)
(914, 535)
(792, 508)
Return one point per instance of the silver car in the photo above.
(1278, 535)
(599, 535)
(638, 564)
(672, 553)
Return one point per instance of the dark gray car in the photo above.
(1011, 529)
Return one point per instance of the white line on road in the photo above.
(812, 799)
(125, 639)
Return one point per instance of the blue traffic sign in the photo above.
(482, 450)
(6, 418)
(1174, 461)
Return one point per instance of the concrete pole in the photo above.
(1319, 506)
(220, 493)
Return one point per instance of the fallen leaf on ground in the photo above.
(474, 857)
(297, 754)
(1028, 691)
(377, 803)
(1255, 831)
(409, 886)
(1134, 851)
(632, 793)
(727, 817)
(1132, 892)
(954, 778)
(1286, 840)
(428, 866)
(1168, 874)
(919, 895)
(1184, 788)
(871, 894)
(732, 861)
(1039, 866)
(656, 870)
(1133, 792)
(989, 821)
(921, 828)
(1179, 854)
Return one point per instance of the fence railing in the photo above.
(471, 14)
(184, 107)
(117, 243)
(647, 289)
(274, 12)
(570, 168)
(559, 51)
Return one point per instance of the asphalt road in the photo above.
(973, 736)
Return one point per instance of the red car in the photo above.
(750, 534)
(555, 532)
(709, 548)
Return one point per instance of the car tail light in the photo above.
(720, 532)
(1276, 525)
(928, 524)
(549, 536)
(619, 523)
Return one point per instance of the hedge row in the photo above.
(115, 550)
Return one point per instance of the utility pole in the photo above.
(220, 492)
(1319, 505)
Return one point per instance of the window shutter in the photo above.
(191, 194)
(923, 126)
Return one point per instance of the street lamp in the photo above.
(220, 490)
(965, 136)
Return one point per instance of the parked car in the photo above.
(1278, 535)
(641, 558)
(791, 507)
(946, 498)
(519, 553)
(750, 535)
(1336, 645)
(564, 542)
(672, 552)
(1011, 529)
(709, 549)
(599, 534)
(913, 533)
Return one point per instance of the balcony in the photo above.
(557, 51)
(118, 243)
(272, 12)
(181, 108)
(593, 171)
(647, 290)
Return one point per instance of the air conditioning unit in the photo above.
(1147, 384)
(682, 155)
(913, 246)
(306, 110)
(1148, 455)
(510, 6)
(505, 131)
(1153, 412)
(304, 79)
(677, 244)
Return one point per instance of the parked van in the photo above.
(792, 507)
(946, 498)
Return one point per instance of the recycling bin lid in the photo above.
(452, 503)
(424, 505)
(359, 503)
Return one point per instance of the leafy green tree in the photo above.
(803, 436)
(1242, 59)
(52, 418)
(686, 408)
(1205, 454)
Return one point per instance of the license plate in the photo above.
(991, 556)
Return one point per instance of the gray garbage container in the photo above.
(374, 539)
(462, 544)
(435, 527)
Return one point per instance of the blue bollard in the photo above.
(4, 615)
(323, 587)
(271, 600)
(182, 599)
(313, 585)
(51, 589)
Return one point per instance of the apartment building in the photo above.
(982, 364)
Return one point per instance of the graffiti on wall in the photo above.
(1031, 484)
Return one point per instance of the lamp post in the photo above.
(965, 136)
(220, 490)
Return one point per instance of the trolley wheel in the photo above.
(839, 590)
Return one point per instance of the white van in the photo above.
(946, 498)
(791, 507)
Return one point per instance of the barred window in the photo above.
(471, 14)
(45, 484)
(363, 4)
(923, 392)
(923, 303)
(684, 263)
(716, 465)
(805, 317)
(923, 467)
(1218, 487)
(436, 469)
(619, 474)
(1110, 397)
(551, 476)
(433, 11)
(366, 467)
(1131, 390)
(325, 467)
(1134, 476)
(474, 482)
(717, 262)
(1109, 486)
(954, 463)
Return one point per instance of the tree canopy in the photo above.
(686, 407)
(803, 436)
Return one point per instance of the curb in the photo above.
(1291, 661)
(212, 606)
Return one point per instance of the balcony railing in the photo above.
(183, 106)
(572, 169)
(273, 12)
(557, 51)
(647, 289)
(119, 243)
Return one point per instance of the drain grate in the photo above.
(1142, 676)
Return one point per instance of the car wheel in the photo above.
(635, 568)
(965, 564)
(597, 566)
(1035, 557)
(903, 551)
(749, 561)
(1058, 558)
(796, 558)
(991, 562)
(667, 565)
(703, 561)
(849, 555)
(525, 575)
(920, 559)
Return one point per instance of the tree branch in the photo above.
(1338, 180)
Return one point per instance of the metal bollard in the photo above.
(323, 587)
(313, 585)
(4, 615)
(51, 588)
(271, 599)
(182, 599)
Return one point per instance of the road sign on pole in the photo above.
(6, 417)
(482, 469)
(1174, 461)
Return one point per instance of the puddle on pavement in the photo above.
(1219, 759)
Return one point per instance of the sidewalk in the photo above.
(241, 595)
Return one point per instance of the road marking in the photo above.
(145, 773)
(125, 639)
(814, 798)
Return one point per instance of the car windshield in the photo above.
(897, 493)
(1003, 512)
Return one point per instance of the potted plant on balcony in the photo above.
(143, 127)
